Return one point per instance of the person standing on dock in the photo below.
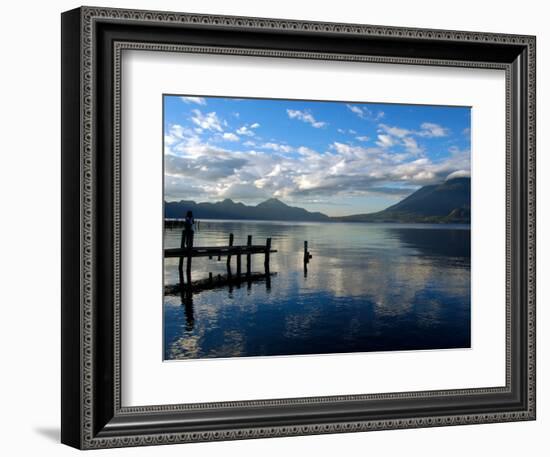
(189, 229)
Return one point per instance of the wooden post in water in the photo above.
(267, 252)
(229, 256)
(307, 255)
(189, 253)
(266, 265)
(239, 264)
(248, 256)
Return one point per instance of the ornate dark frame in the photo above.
(92, 42)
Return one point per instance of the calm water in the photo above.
(369, 287)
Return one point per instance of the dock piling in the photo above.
(267, 253)
(307, 257)
(239, 264)
(189, 248)
(229, 256)
(248, 256)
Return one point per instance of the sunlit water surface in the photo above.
(369, 287)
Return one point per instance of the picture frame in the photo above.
(93, 416)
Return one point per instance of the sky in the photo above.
(339, 158)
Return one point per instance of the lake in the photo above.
(369, 287)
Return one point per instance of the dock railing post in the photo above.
(229, 255)
(267, 253)
(189, 257)
(248, 256)
(239, 264)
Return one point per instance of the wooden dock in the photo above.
(188, 251)
(216, 251)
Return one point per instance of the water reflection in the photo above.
(368, 287)
(187, 302)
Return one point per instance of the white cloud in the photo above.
(427, 130)
(350, 131)
(201, 170)
(392, 135)
(304, 150)
(277, 147)
(207, 167)
(243, 191)
(305, 116)
(230, 137)
(412, 146)
(197, 100)
(362, 138)
(458, 174)
(356, 110)
(431, 130)
(385, 141)
(245, 129)
(365, 113)
(394, 131)
(423, 175)
(209, 121)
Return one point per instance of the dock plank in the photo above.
(213, 251)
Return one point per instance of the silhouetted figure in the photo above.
(189, 229)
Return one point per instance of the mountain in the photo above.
(446, 202)
(269, 210)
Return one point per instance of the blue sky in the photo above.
(336, 157)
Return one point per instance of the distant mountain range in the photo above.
(447, 202)
(271, 209)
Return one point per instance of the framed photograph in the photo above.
(274, 227)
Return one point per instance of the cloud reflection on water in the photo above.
(369, 287)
